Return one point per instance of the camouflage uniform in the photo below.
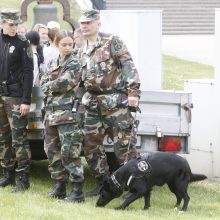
(63, 136)
(109, 77)
(16, 77)
(14, 145)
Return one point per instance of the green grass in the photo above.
(35, 204)
(177, 70)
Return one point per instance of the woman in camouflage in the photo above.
(63, 135)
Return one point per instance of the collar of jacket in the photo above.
(63, 62)
(60, 63)
(98, 43)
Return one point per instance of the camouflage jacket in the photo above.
(108, 72)
(58, 84)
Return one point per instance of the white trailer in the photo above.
(204, 150)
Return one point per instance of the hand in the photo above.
(24, 109)
(133, 101)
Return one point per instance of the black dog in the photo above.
(141, 174)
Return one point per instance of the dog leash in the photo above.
(134, 126)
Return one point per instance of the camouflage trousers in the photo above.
(63, 144)
(117, 125)
(14, 146)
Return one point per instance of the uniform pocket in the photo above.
(104, 63)
(64, 117)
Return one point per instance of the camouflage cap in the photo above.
(89, 15)
(10, 15)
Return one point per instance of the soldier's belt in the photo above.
(112, 91)
(58, 107)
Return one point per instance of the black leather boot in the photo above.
(8, 179)
(59, 190)
(76, 194)
(22, 183)
(97, 189)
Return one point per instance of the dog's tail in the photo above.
(197, 177)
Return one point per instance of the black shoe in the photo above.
(77, 194)
(97, 190)
(8, 179)
(23, 183)
(59, 190)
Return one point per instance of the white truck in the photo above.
(165, 119)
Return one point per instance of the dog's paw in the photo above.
(180, 212)
(146, 207)
(175, 209)
(119, 208)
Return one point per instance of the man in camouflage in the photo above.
(112, 85)
(63, 121)
(16, 77)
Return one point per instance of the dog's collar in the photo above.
(117, 184)
(115, 181)
(129, 180)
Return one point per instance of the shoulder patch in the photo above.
(21, 37)
(117, 43)
(142, 166)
